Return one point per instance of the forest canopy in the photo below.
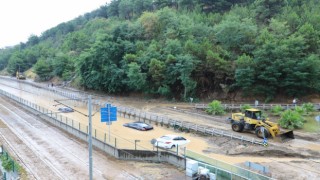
(182, 48)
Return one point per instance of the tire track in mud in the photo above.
(36, 124)
(40, 166)
(36, 164)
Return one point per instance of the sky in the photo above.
(20, 19)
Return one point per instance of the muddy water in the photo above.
(120, 136)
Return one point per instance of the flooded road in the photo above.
(126, 137)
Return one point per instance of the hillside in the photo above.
(181, 49)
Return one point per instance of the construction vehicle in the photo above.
(252, 120)
(20, 76)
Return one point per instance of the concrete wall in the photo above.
(153, 156)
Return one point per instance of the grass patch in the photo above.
(30, 74)
(311, 125)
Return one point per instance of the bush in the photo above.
(291, 120)
(299, 110)
(276, 110)
(215, 108)
(308, 107)
(7, 163)
(244, 107)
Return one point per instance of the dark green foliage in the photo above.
(237, 34)
(44, 69)
(113, 9)
(266, 9)
(136, 79)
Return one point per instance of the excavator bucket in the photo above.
(286, 136)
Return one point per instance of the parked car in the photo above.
(139, 126)
(65, 109)
(171, 141)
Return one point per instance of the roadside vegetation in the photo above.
(300, 117)
(215, 108)
(181, 49)
(11, 165)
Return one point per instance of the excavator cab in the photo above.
(253, 114)
(20, 76)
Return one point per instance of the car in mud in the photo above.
(171, 141)
(139, 126)
(65, 109)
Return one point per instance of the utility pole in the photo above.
(90, 137)
(89, 133)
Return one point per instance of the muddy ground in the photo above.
(297, 159)
(46, 152)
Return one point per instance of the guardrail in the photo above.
(181, 125)
(135, 114)
(260, 106)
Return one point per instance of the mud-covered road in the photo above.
(297, 159)
(48, 153)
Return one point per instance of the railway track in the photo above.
(32, 163)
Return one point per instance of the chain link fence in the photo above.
(9, 167)
(223, 170)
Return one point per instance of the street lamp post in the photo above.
(135, 144)
(90, 137)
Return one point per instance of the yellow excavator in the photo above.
(20, 76)
(252, 120)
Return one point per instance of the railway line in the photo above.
(177, 113)
(29, 149)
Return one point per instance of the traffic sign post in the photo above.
(108, 114)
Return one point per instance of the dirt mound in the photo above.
(272, 153)
(224, 145)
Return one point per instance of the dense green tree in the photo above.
(113, 8)
(266, 9)
(311, 38)
(245, 73)
(16, 62)
(5, 55)
(126, 9)
(140, 6)
(157, 74)
(164, 3)
(150, 24)
(237, 34)
(182, 48)
(33, 40)
(136, 79)
(63, 66)
(43, 69)
(76, 42)
(185, 66)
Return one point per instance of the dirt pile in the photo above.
(224, 145)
